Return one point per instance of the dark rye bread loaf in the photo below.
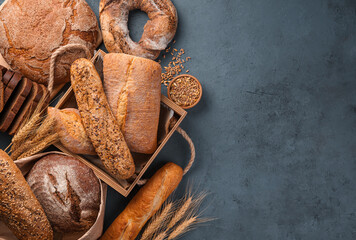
(19, 208)
(32, 30)
(36, 93)
(68, 191)
(11, 85)
(14, 104)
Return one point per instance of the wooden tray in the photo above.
(142, 161)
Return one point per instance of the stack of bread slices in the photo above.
(19, 96)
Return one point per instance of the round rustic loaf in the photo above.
(68, 191)
(31, 30)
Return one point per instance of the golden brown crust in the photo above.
(31, 30)
(71, 131)
(99, 122)
(19, 208)
(145, 203)
(158, 31)
(133, 88)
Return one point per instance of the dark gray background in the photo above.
(275, 130)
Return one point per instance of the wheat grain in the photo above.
(157, 222)
(26, 130)
(160, 236)
(184, 227)
(41, 146)
(181, 212)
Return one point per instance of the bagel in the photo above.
(158, 31)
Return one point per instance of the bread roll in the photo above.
(31, 30)
(99, 122)
(71, 131)
(68, 190)
(145, 203)
(19, 208)
(133, 88)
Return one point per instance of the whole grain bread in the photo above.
(99, 122)
(25, 108)
(11, 85)
(7, 76)
(133, 88)
(31, 30)
(19, 208)
(14, 104)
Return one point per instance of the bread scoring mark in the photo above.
(57, 194)
(75, 211)
(123, 97)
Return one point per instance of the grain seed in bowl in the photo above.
(185, 90)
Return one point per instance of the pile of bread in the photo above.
(116, 115)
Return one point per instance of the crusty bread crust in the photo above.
(99, 122)
(19, 208)
(133, 88)
(71, 131)
(31, 30)
(158, 31)
(145, 203)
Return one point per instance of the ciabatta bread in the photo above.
(133, 88)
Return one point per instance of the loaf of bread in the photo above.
(71, 131)
(68, 191)
(99, 122)
(145, 203)
(133, 88)
(31, 30)
(14, 103)
(19, 208)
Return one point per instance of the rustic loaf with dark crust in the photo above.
(133, 88)
(99, 122)
(19, 208)
(68, 191)
(145, 203)
(31, 30)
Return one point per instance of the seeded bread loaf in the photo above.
(68, 191)
(71, 131)
(99, 122)
(133, 88)
(19, 208)
(31, 30)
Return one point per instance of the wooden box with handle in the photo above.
(166, 128)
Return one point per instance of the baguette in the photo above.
(19, 208)
(145, 203)
(98, 120)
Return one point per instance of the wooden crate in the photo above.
(142, 161)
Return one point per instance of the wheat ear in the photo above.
(184, 227)
(181, 212)
(160, 236)
(157, 222)
(45, 129)
(41, 146)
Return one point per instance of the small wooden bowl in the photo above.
(180, 76)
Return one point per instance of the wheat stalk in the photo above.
(160, 236)
(41, 146)
(44, 130)
(181, 212)
(157, 222)
(182, 228)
